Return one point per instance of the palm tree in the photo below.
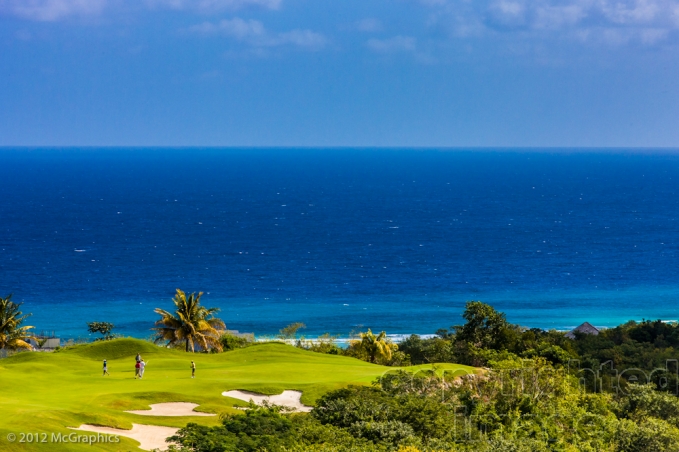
(13, 336)
(191, 323)
(376, 346)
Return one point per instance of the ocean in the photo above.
(339, 239)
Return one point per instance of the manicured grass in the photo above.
(49, 392)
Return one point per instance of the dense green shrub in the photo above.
(648, 435)
(270, 428)
(424, 351)
(390, 432)
(259, 428)
(322, 344)
(643, 402)
(231, 342)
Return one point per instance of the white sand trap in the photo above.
(290, 399)
(149, 436)
(171, 409)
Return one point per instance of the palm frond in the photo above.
(190, 323)
(13, 334)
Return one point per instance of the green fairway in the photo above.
(49, 392)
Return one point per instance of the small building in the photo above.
(585, 328)
(45, 341)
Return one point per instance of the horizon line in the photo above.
(666, 149)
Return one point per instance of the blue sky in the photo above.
(339, 73)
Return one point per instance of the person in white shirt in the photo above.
(142, 366)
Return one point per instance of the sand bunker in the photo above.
(149, 436)
(171, 409)
(289, 399)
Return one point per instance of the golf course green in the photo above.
(45, 394)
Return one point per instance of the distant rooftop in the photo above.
(585, 328)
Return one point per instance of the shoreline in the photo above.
(344, 340)
(393, 331)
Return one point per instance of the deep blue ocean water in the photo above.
(341, 240)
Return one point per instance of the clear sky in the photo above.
(339, 73)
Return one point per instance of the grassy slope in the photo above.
(48, 392)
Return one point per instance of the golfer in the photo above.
(106, 369)
(193, 369)
(142, 366)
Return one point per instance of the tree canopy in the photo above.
(13, 334)
(191, 324)
(374, 346)
(103, 328)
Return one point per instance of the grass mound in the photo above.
(116, 349)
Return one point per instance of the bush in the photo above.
(322, 344)
(643, 401)
(423, 351)
(398, 359)
(290, 331)
(371, 412)
(391, 432)
(260, 428)
(231, 342)
(515, 445)
(344, 407)
(650, 435)
(103, 328)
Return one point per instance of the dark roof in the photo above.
(585, 328)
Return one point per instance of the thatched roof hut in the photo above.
(585, 328)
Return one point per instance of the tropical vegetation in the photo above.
(290, 331)
(540, 391)
(103, 328)
(373, 347)
(232, 342)
(14, 334)
(191, 324)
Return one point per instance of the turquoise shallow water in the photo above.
(397, 315)
(339, 239)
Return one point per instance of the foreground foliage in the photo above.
(516, 409)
